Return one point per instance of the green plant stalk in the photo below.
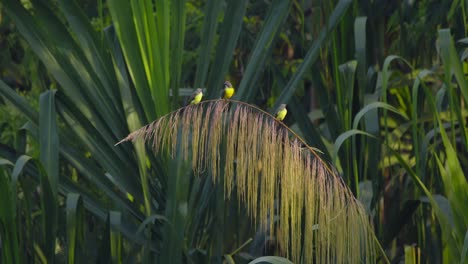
(382, 251)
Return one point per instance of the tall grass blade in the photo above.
(361, 56)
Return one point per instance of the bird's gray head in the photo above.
(227, 84)
(198, 90)
(282, 106)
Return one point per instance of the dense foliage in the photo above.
(379, 87)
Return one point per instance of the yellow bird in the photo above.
(281, 113)
(196, 96)
(228, 91)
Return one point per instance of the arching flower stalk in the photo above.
(320, 221)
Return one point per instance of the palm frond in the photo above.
(273, 176)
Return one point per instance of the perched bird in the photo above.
(228, 91)
(281, 113)
(196, 96)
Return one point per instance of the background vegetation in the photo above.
(379, 87)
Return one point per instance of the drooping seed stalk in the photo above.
(319, 220)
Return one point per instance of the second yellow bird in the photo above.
(228, 91)
(196, 96)
(281, 113)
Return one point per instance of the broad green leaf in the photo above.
(4, 162)
(456, 187)
(176, 212)
(451, 61)
(18, 169)
(465, 248)
(75, 226)
(361, 49)
(453, 67)
(372, 106)
(48, 138)
(343, 137)
(49, 215)
(271, 260)
(115, 238)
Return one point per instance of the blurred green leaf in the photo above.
(75, 226)
(465, 248)
(271, 260)
(313, 53)
(343, 137)
(274, 19)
